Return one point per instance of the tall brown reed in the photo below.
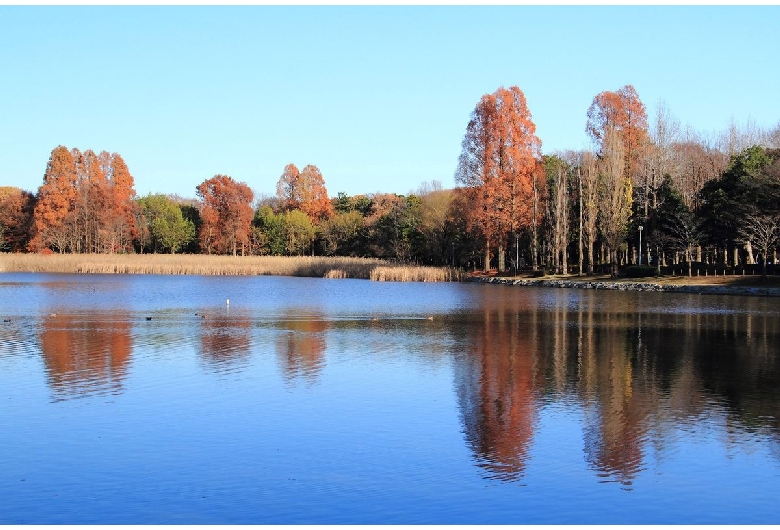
(311, 266)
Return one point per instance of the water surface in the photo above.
(349, 401)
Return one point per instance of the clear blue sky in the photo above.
(377, 97)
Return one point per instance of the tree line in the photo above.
(649, 192)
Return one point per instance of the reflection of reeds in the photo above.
(310, 266)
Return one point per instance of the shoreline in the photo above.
(369, 269)
(694, 285)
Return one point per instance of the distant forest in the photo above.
(649, 193)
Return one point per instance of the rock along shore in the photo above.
(633, 286)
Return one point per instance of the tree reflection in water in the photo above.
(300, 347)
(85, 353)
(225, 343)
(637, 374)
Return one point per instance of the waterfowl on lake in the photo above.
(7, 320)
(148, 318)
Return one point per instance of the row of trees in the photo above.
(696, 202)
(692, 199)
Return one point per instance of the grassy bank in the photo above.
(319, 267)
(750, 285)
(738, 280)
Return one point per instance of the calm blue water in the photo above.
(349, 401)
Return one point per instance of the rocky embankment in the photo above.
(633, 286)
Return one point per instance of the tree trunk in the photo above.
(751, 259)
(690, 265)
(613, 257)
(564, 262)
(591, 250)
(579, 242)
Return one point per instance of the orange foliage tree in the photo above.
(85, 204)
(16, 210)
(226, 215)
(92, 208)
(625, 113)
(54, 210)
(304, 190)
(500, 165)
(121, 230)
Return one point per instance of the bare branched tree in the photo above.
(762, 232)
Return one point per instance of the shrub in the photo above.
(640, 271)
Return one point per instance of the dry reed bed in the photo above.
(310, 266)
(415, 274)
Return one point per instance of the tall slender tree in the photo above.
(122, 228)
(623, 113)
(56, 197)
(557, 171)
(615, 196)
(499, 164)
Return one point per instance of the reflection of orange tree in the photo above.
(85, 354)
(301, 347)
(621, 397)
(497, 393)
(636, 373)
(224, 341)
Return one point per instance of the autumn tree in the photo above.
(696, 164)
(85, 204)
(16, 217)
(557, 171)
(623, 113)
(588, 187)
(304, 190)
(615, 192)
(226, 215)
(288, 187)
(54, 210)
(121, 228)
(500, 166)
(93, 208)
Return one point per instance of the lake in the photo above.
(151, 400)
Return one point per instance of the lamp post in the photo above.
(453, 254)
(640, 244)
